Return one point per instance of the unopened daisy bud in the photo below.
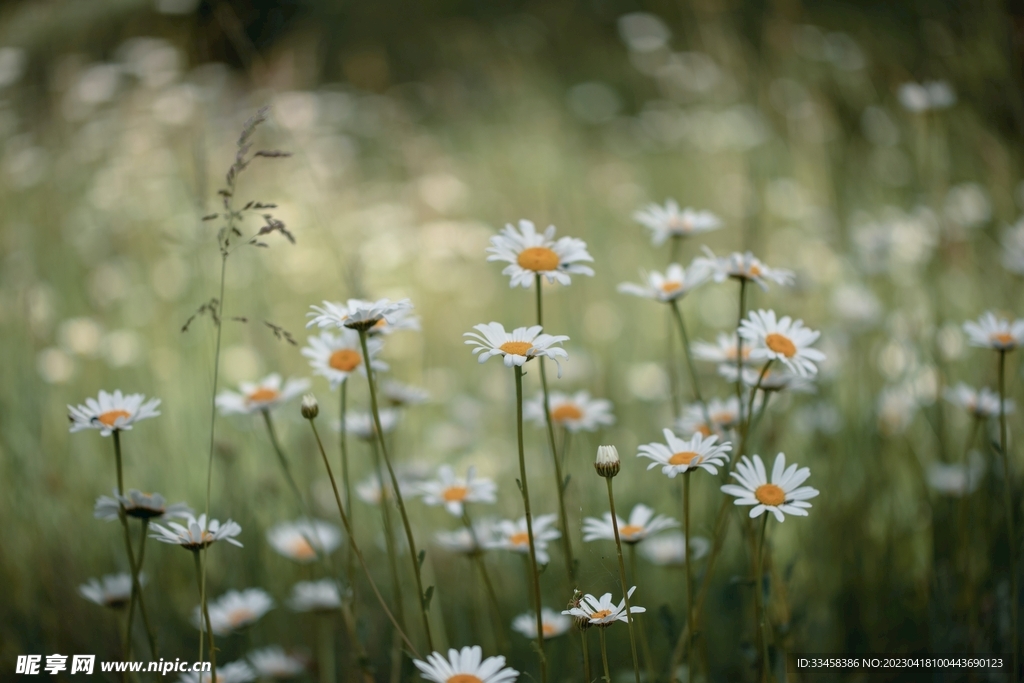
(607, 464)
(310, 408)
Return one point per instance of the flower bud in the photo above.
(310, 408)
(607, 464)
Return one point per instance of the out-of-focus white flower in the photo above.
(513, 535)
(315, 596)
(235, 610)
(980, 403)
(337, 356)
(577, 412)
(1013, 248)
(113, 590)
(530, 253)
(552, 623)
(897, 406)
(642, 523)
(671, 221)
(676, 283)
(782, 339)
(360, 423)
(856, 304)
(724, 349)
(782, 496)
(967, 206)
(468, 542)
(670, 549)
(140, 505)
(303, 540)
(996, 333)
(112, 412)
(776, 379)
(922, 97)
(399, 394)
(266, 394)
(235, 672)
(274, 663)
(516, 347)
(743, 267)
(725, 415)
(454, 492)
(957, 479)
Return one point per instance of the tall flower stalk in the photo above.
(1011, 536)
(346, 478)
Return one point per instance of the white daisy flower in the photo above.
(782, 339)
(512, 535)
(303, 540)
(399, 394)
(921, 97)
(680, 455)
(360, 424)
(196, 534)
(235, 672)
(266, 394)
(112, 412)
(995, 333)
(453, 492)
(465, 666)
(234, 611)
(464, 542)
(338, 356)
(725, 415)
(516, 347)
(674, 284)
(724, 349)
(777, 378)
(315, 596)
(602, 611)
(530, 253)
(669, 221)
(399, 320)
(577, 413)
(980, 403)
(113, 590)
(358, 314)
(957, 479)
(642, 523)
(669, 550)
(1013, 248)
(552, 623)
(782, 495)
(140, 505)
(744, 267)
(275, 664)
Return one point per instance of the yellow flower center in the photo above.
(263, 395)
(731, 353)
(1004, 338)
(683, 458)
(566, 412)
(110, 417)
(630, 530)
(704, 430)
(780, 344)
(464, 678)
(548, 629)
(770, 494)
(722, 419)
(345, 360)
(538, 259)
(755, 270)
(519, 538)
(455, 494)
(301, 549)
(240, 616)
(671, 287)
(600, 614)
(515, 348)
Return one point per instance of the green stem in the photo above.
(492, 595)
(346, 481)
(739, 346)
(524, 487)
(414, 556)
(560, 483)
(201, 581)
(326, 648)
(283, 461)
(389, 537)
(689, 575)
(133, 567)
(689, 363)
(354, 547)
(586, 656)
(622, 578)
(1011, 536)
(759, 605)
(142, 605)
(645, 646)
(604, 655)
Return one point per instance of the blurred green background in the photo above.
(420, 128)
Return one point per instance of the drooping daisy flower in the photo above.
(553, 623)
(398, 320)
(674, 284)
(235, 672)
(783, 494)
(275, 664)
(360, 423)
(777, 378)
(266, 394)
(113, 590)
(680, 455)
(995, 333)
(957, 479)
(112, 412)
(669, 550)
(784, 340)
(722, 351)
(235, 610)
(577, 413)
(725, 415)
(465, 666)
(516, 347)
(453, 492)
(337, 356)
(669, 221)
(315, 596)
(530, 253)
(602, 611)
(358, 314)
(980, 403)
(304, 540)
(512, 535)
(195, 534)
(465, 542)
(140, 505)
(642, 523)
(744, 267)
(401, 395)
